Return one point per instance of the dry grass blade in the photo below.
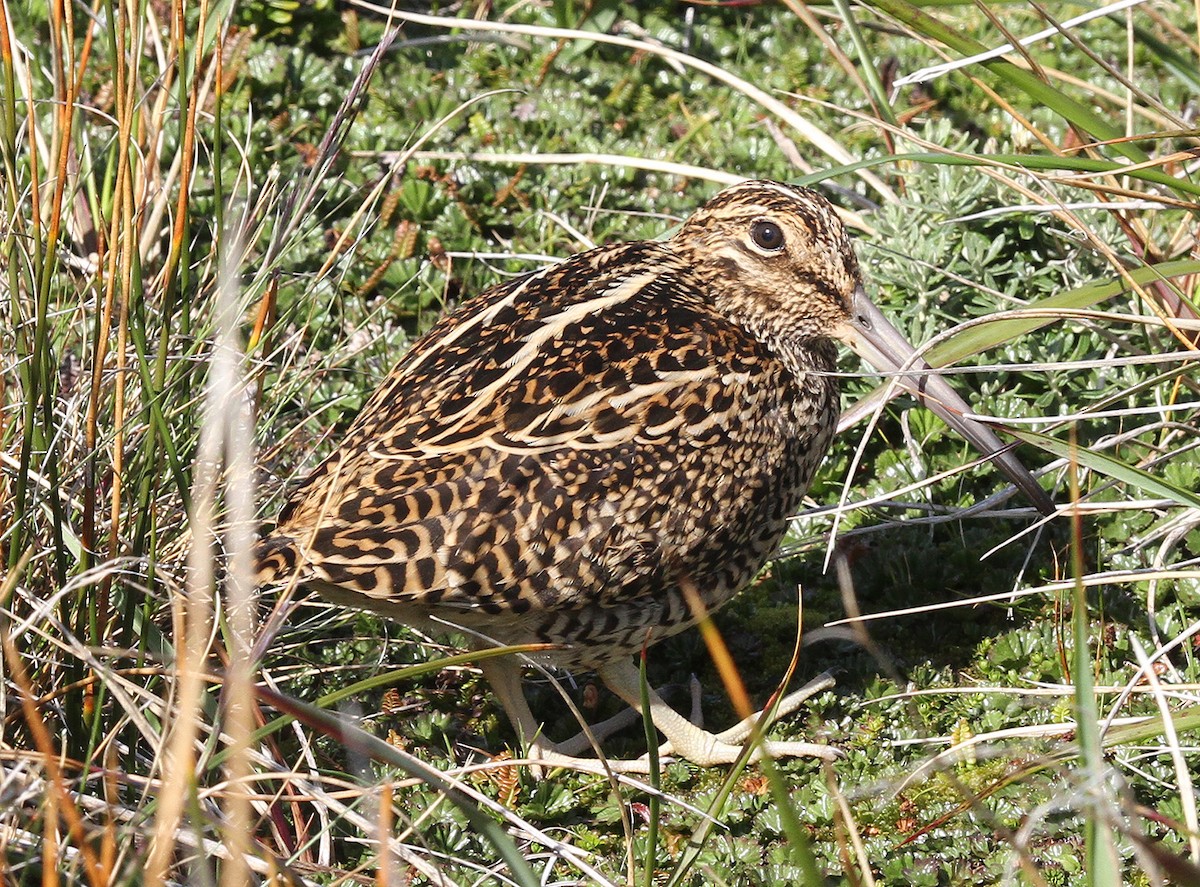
(1187, 790)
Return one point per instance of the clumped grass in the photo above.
(222, 225)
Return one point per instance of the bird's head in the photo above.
(777, 260)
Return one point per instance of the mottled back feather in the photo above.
(554, 459)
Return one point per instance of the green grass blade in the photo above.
(1102, 864)
(984, 337)
(1109, 466)
(866, 62)
(1035, 162)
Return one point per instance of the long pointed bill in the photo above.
(874, 339)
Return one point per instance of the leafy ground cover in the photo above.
(224, 224)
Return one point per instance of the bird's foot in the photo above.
(685, 739)
(705, 749)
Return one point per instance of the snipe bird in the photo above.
(560, 458)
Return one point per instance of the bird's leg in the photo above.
(504, 675)
(699, 746)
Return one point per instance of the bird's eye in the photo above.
(767, 235)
